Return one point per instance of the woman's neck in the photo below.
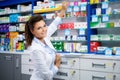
(42, 40)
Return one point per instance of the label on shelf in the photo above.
(94, 18)
(117, 51)
(76, 9)
(69, 9)
(104, 5)
(102, 25)
(101, 49)
(116, 24)
(83, 7)
(105, 18)
(98, 11)
(94, 37)
(81, 31)
(67, 32)
(108, 51)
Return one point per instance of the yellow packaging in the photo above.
(12, 36)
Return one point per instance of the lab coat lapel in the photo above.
(48, 42)
(37, 46)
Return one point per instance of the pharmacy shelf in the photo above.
(23, 12)
(106, 40)
(13, 22)
(14, 2)
(46, 10)
(110, 1)
(69, 40)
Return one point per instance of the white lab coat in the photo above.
(41, 58)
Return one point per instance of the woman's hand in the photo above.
(64, 5)
(57, 60)
(64, 8)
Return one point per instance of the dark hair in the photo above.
(30, 26)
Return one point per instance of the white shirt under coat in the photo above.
(43, 56)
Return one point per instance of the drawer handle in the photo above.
(62, 74)
(17, 63)
(114, 77)
(30, 70)
(73, 61)
(114, 64)
(98, 78)
(30, 60)
(99, 65)
(64, 63)
(73, 72)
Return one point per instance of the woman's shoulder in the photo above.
(34, 46)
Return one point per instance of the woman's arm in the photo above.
(53, 26)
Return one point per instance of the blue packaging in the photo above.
(93, 11)
(103, 11)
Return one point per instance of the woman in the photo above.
(37, 34)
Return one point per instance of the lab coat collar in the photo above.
(47, 41)
(39, 42)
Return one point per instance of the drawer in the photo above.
(100, 65)
(26, 77)
(27, 69)
(70, 63)
(26, 59)
(91, 75)
(67, 74)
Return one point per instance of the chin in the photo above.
(44, 36)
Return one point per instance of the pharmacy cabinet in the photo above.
(10, 68)
(26, 59)
(100, 65)
(67, 74)
(93, 75)
(25, 77)
(6, 69)
(17, 67)
(69, 69)
(26, 66)
(27, 69)
(72, 63)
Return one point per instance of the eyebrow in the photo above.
(41, 26)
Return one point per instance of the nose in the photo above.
(43, 28)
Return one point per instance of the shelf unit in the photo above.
(12, 25)
(105, 27)
(110, 27)
(70, 22)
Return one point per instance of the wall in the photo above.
(11, 2)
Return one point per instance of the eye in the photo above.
(45, 25)
(39, 28)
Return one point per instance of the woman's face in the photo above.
(40, 29)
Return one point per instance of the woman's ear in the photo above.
(31, 31)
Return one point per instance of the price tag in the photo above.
(94, 18)
(105, 18)
(116, 24)
(76, 9)
(118, 51)
(83, 7)
(102, 25)
(104, 5)
(81, 31)
(67, 32)
(69, 9)
(108, 51)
